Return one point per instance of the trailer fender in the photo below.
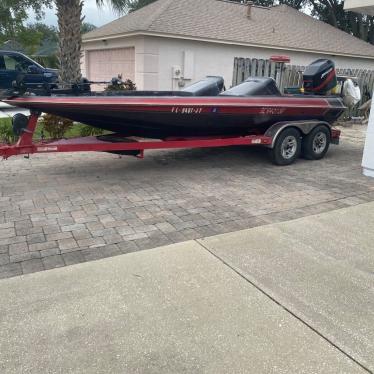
(305, 128)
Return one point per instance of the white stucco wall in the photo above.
(218, 59)
(156, 56)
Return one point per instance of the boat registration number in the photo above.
(186, 110)
(272, 111)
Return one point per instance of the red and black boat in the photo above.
(160, 117)
(199, 110)
(201, 115)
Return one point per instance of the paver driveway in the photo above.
(57, 210)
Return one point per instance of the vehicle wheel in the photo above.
(316, 143)
(287, 147)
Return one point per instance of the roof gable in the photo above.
(280, 26)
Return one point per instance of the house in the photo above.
(170, 43)
(11, 45)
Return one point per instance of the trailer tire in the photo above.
(287, 147)
(315, 145)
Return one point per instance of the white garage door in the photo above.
(105, 64)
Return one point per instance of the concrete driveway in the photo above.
(58, 210)
(319, 268)
(292, 297)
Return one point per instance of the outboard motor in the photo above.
(320, 77)
(254, 86)
(209, 86)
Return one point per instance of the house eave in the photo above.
(360, 6)
(221, 41)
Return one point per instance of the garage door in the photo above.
(105, 64)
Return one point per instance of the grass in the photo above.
(5, 121)
(6, 132)
(7, 136)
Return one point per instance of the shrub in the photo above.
(6, 131)
(86, 130)
(56, 126)
(118, 84)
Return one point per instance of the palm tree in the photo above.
(69, 14)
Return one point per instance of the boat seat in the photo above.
(254, 86)
(209, 86)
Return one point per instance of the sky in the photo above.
(94, 15)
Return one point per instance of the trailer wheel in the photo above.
(315, 145)
(287, 147)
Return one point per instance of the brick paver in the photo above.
(58, 210)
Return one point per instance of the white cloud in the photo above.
(93, 14)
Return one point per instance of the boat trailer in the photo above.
(113, 143)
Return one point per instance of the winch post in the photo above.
(26, 137)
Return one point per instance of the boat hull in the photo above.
(161, 117)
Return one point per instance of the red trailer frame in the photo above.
(26, 146)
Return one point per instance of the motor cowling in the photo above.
(320, 77)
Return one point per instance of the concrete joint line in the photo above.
(238, 272)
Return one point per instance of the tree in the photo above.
(332, 12)
(137, 4)
(87, 27)
(297, 4)
(69, 14)
(33, 36)
(14, 12)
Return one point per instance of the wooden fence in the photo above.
(246, 67)
(291, 75)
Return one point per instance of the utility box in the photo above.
(188, 65)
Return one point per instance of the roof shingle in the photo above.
(280, 26)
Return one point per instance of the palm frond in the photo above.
(118, 6)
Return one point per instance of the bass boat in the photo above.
(202, 109)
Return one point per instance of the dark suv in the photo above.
(14, 65)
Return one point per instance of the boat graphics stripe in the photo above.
(177, 101)
(266, 111)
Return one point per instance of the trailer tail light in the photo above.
(256, 141)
